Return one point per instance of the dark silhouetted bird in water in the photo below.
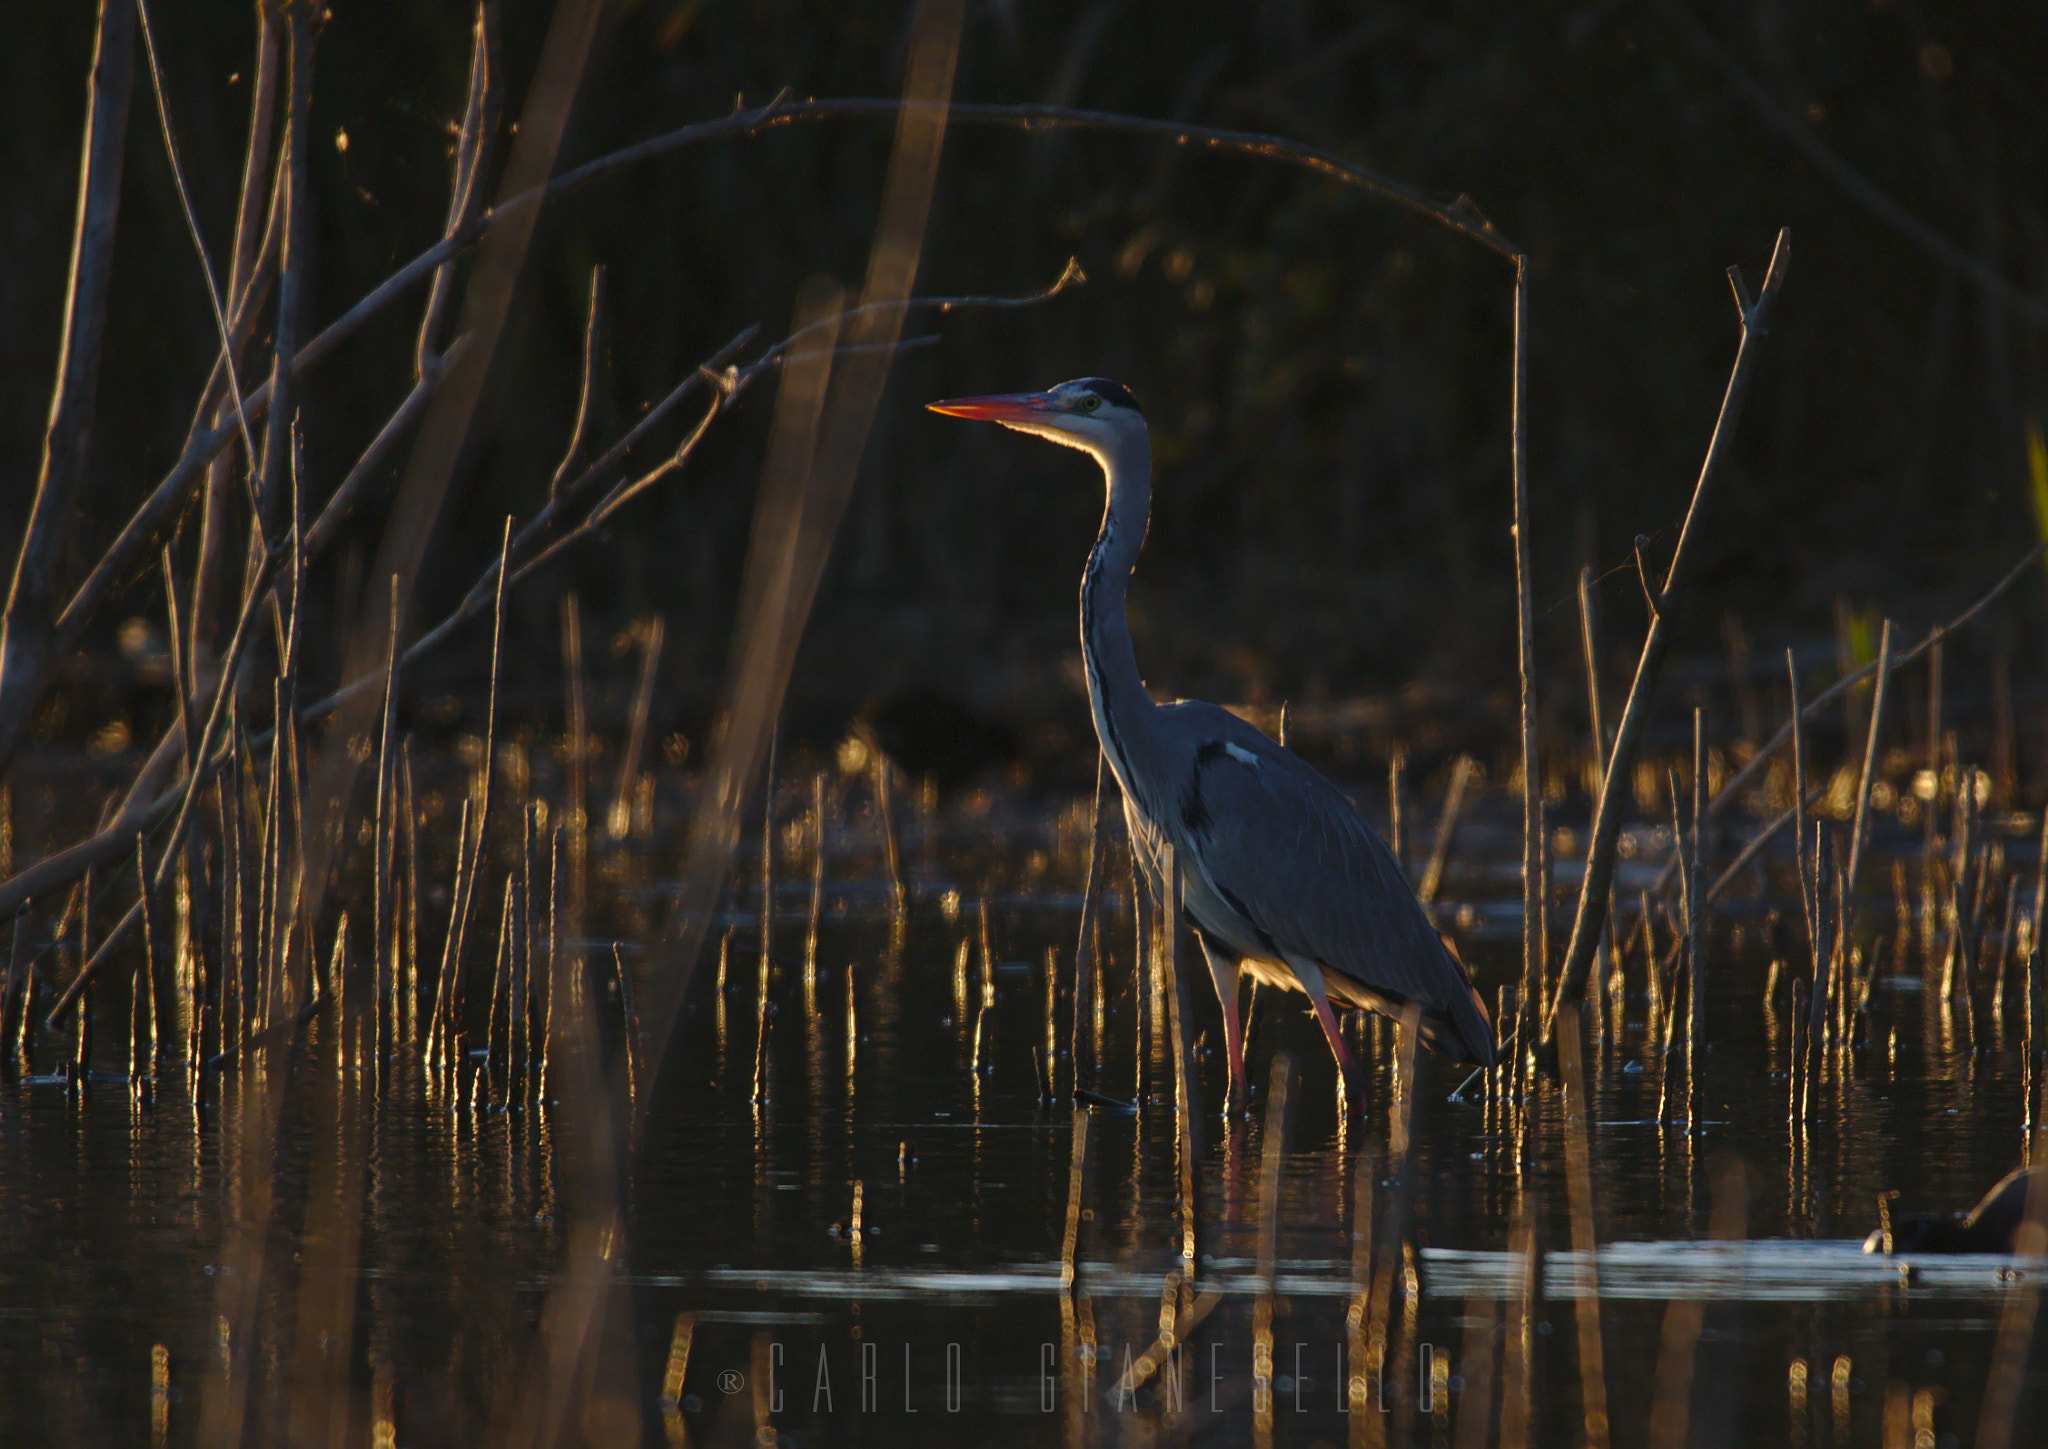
(1989, 1227)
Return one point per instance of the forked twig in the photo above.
(1600, 858)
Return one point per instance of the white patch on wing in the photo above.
(1242, 755)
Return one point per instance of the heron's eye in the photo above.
(1092, 402)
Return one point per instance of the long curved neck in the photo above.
(1124, 712)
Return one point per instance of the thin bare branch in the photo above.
(26, 636)
(1620, 773)
(220, 321)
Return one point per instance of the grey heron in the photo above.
(1281, 876)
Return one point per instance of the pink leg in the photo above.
(1312, 982)
(1225, 974)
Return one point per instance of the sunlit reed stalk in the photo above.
(1049, 1054)
(21, 996)
(620, 819)
(270, 880)
(1077, 1195)
(1653, 979)
(1686, 947)
(522, 958)
(576, 808)
(675, 1375)
(143, 1007)
(1546, 882)
(1589, 645)
(1187, 1112)
(384, 833)
(2008, 938)
(1578, 1118)
(1085, 964)
(81, 1037)
(231, 794)
(1447, 828)
(1397, 821)
(761, 998)
(408, 819)
(981, 1062)
(554, 978)
(441, 1023)
(1959, 967)
(1859, 835)
(1799, 1025)
(497, 1063)
(630, 1023)
(1617, 979)
(885, 825)
(1697, 921)
(817, 911)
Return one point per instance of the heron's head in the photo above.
(1090, 413)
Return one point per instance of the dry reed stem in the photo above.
(1397, 832)
(619, 820)
(29, 634)
(1859, 834)
(163, 111)
(181, 669)
(1085, 965)
(817, 910)
(1535, 908)
(472, 149)
(1077, 1194)
(1187, 1115)
(1600, 858)
(762, 1003)
(1589, 642)
(885, 826)
(384, 824)
(1447, 829)
(576, 821)
(249, 273)
(586, 397)
(1696, 926)
(145, 974)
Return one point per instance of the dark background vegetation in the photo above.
(1327, 376)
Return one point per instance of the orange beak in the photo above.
(1001, 408)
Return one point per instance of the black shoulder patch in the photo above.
(1114, 392)
(1208, 751)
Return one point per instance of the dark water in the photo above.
(943, 1320)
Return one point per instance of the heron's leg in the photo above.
(1312, 982)
(1224, 971)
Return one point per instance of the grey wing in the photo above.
(1286, 848)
